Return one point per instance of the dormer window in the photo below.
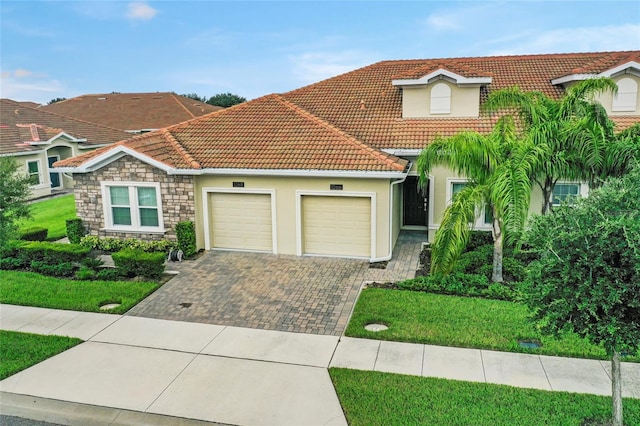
(440, 99)
(626, 98)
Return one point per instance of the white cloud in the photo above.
(141, 11)
(443, 22)
(22, 73)
(315, 66)
(584, 39)
(17, 86)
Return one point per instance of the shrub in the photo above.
(60, 269)
(36, 233)
(113, 244)
(470, 262)
(85, 273)
(108, 274)
(186, 234)
(75, 230)
(139, 263)
(455, 283)
(53, 253)
(478, 239)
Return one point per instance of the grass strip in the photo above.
(22, 350)
(372, 398)
(52, 214)
(467, 322)
(31, 289)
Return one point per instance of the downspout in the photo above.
(399, 181)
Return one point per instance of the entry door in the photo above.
(415, 205)
(54, 177)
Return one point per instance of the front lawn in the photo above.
(458, 321)
(52, 214)
(22, 350)
(31, 289)
(373, 398)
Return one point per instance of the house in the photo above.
(132, 112)
(37, 139)
(327, 169)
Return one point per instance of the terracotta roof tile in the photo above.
(132, 111)
(21, 124)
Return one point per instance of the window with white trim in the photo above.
(440, 99)
(33, 169)
(565, 193)
(627, 96)
(485, 218)
(132, 206)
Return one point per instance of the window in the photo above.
(625, 99)
(565, 193)
(132, 206)
(440, 99)
(33, 169)
(486, 217)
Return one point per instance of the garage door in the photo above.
(241, 221)
(336, 226)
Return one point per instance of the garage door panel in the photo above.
(339, 226)
(241, 221)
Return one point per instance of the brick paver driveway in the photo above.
(274, 292)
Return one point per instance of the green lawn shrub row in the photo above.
(460, 284)
(113, 244)
(34, 233)
(47, 258)
(132, 263)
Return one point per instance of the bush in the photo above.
(36, 233)
(113, 244)
(53, 253)
(459, 284)
(59, 269)
(75, 230)
(470, 262)
(108, 274)
(186, 234)
(134, 263)
(85, 273)
(479, 239)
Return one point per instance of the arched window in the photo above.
(440, 99)
(625, 99)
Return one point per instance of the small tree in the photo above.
(54, 100)
(225, 100)
(195, 97)
(587, 277)
(14, 191)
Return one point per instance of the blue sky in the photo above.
(55, 49)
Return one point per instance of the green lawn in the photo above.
(373, 398)
(458, 321)
(22, 350)
(31, 289)
(52, 214)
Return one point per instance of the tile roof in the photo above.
(21, 125)
(341, 123)
(132, 111)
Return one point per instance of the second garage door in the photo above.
(336, 226)
(241, 221)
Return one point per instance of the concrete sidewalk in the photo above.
(140, 370)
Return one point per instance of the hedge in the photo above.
(186, 234)
(132, 263)
(36, 233)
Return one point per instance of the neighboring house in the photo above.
(132, 112)
(37, 139)
(328, 169)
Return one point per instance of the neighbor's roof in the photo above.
(23, 127)
(132, 111)
(342, 123)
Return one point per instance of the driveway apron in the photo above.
(273, 292)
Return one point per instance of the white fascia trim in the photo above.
(17, 154)
(631, 67)
(68, 136)
(111, 156)
(403, 152)
(460, 80)
(288, 172)
(93, 146)
(205, 213)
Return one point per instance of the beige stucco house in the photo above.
(36, 139)
(327, 169)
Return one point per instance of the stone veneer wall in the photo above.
(177, 196)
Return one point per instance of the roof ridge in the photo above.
(387, 159)
(175, 99)
(180, 149)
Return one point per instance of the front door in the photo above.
(54, 177)
(414, 203)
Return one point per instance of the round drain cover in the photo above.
(109, 306)
(376, 327)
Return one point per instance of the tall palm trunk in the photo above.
(496, 275)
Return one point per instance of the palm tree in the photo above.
(576, 129)
(498, 167)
